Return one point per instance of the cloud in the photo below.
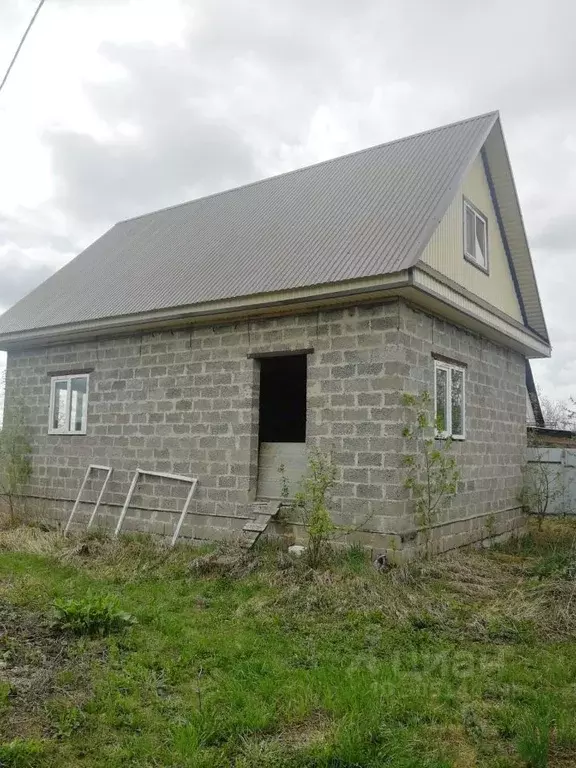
(27, 230)
(251, 90)
(162, 144)
(558, 234)
(31, 249)
(17, 280)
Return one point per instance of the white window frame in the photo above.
(65, 430)
(472, 257)
(440, 365)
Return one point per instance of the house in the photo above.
(222, 337)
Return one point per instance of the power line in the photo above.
(24, 36)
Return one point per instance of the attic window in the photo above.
(68, 404)
(475, 236)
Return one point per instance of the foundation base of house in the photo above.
(480, 530)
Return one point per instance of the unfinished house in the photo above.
(218, 339)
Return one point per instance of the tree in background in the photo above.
(558, 414)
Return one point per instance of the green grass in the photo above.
(255, 661)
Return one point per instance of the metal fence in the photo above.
(560, 466)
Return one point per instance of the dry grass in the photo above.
(483, 595)
(130, 557)
(37, 665)
(464, 754)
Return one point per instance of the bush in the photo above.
(557, 564)
(431, 472)
(311, 500)
(15, 464)
(542, 486)
(92, 615)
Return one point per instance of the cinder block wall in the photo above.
(492, 455)
(187, 402)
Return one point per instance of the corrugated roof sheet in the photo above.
(365, 214)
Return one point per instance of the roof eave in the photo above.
(446, 299)
(419, 286)
(226, 310)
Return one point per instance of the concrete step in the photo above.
(254, 528)
(256, 525)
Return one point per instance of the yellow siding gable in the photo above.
(445, 251)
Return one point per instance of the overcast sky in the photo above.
(117, 107)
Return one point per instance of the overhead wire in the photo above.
(21, 43)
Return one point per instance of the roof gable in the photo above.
(499, 176)
(445, 250)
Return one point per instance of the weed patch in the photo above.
(92, 615)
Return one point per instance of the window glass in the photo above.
(470, 237)
(480, 241)
(475, 236)
(449, 404)
(59, 405)
(78, 394)
(69, 404)
(441, 398)
(457, 401)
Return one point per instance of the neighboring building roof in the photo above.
(545, 437)
(367, 214)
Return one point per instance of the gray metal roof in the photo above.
(362, 215)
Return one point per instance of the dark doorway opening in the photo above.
(283, 399)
